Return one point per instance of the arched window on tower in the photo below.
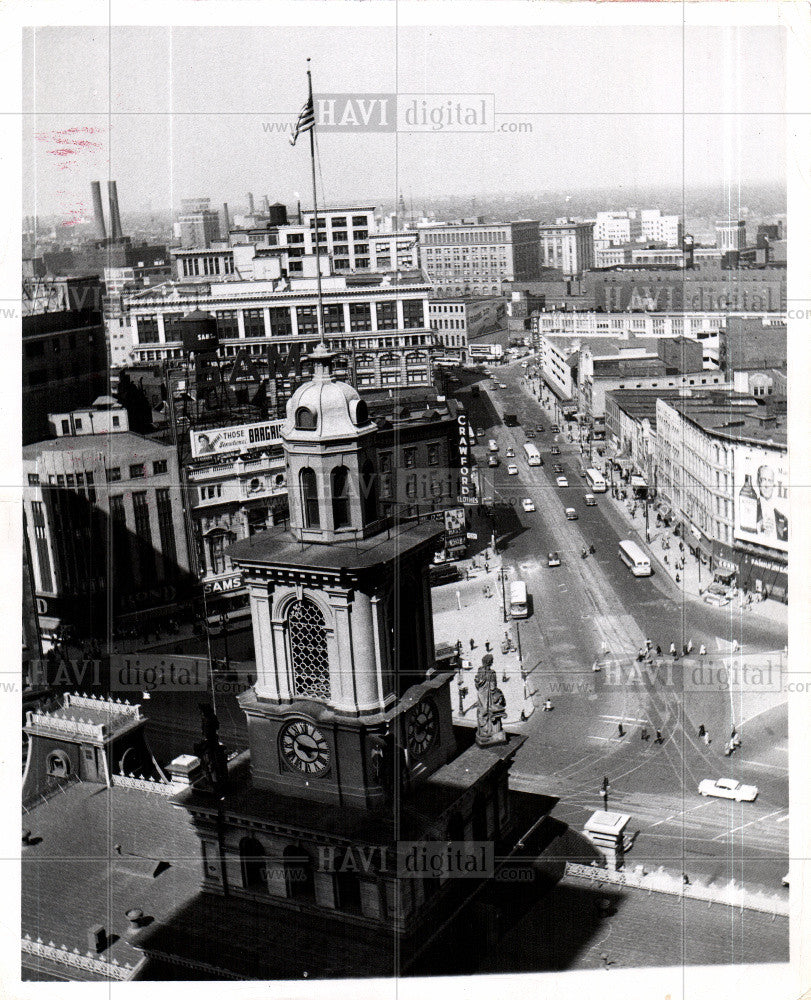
(252, 863)
(305, 419)
(308, 650)
(369, 492)
(339, 488)
(309, 498)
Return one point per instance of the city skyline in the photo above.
(152, 119)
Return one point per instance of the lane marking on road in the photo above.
(767, 767)
(625, 718)
(743, 826)
(782, 819)
(682, 812)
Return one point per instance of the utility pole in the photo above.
(604, 793)
(503, 574)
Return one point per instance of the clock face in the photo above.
(422, 725)
(304, 747)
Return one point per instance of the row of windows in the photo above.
(137, 471)
(281, 324)
(463, 237)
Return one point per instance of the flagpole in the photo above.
(320, 311)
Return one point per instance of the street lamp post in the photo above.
(503, 574)
(604, 793)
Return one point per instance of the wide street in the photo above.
(587, 608)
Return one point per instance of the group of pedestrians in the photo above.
(732, 743)
(647, 652)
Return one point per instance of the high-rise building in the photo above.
(730, 235)
(658, 228)
(199, 224)
(567, 246)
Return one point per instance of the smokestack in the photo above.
(98, 210)
(250, 203)
(115, 218)
(226, 220)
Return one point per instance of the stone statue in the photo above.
(210, 751)
(491, 707)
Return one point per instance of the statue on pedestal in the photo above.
(491, 707)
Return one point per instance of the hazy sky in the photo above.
(182, 112)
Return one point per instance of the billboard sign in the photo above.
(217, 440)
(761, 497)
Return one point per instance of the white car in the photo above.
(590, 500)
(501, 385)
(571, 514)
(512, 470)
(728, 788)
(528, 505)
(562, 481)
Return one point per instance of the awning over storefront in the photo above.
(638, 482)
(724, 573)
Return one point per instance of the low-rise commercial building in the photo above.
(98, 500)
(474, 259)
(458, 321)
(377, 323)
(724, 470)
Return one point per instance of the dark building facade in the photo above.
(64, 363)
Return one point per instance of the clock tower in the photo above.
(352, 750)
(341, 611)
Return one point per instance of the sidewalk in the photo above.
(673, 557)
(461, 613)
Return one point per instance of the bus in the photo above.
(596, 481)
(518, 600)
(634, 558)
(532, 453)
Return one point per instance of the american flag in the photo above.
(306, 120)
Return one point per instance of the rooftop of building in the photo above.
(278, 546)
(641, 403)
(114, 715)
(758, 425)
(190, 289)
(123, 445)
(74, 876)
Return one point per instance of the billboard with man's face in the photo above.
(761, 497)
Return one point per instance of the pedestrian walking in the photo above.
(690, 646)
(702, 731)
(487, 645)
(659, 737)
(707, 739)
(472, 644)
(620, 730)
(673, 649)
(658, 650)
(547, 705)
(684, 649)
(735, 646)
(648, 643)
(644, 734)
(702, 650)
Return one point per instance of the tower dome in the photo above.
(329, 445)
(325, 409)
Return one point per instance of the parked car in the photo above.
(539, 428)
(479, 432)
(512, 470)
(557, 468)
(555, 449)
(555, 429)
(590, 500)
(562, 481)
(553, 559)
(530, 435)
(501, 385)
(528, 504)
(571, 514)
(718, 600)
(444, 573)
(511, 453)
(728, 788)
(493, 461)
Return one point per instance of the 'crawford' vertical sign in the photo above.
(466, 489)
